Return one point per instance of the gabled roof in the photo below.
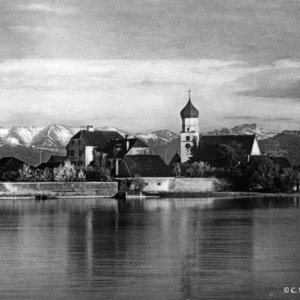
(211, 148)
(121, 147)
(48, 165)
(176, 159)
(189, 111)
(245, 141)
(282, 162)
(5, 160)
(57, 159)
(8, 164)
(137, 143)
(97, 138)
(144, 165)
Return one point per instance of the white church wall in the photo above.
(255, 148)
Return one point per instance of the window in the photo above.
(159, 183)
(72, 152)
(188, 129)
(188, 138)
(80, 152)
(146, 183)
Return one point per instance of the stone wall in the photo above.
(158, 184)
(105, 189)
(183, 185)
(195, 185)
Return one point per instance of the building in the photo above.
(133, 157)
(246, 144)
(10, 164)
(83, 145)
(53, 162)
(143, 165)
(190, 129)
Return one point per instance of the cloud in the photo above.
(255, 118)
(48, 8)
(138, 94)
(148, 82)
(280, 80)
(29, 29)
(42, 74)
(292, 91)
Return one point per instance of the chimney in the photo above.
(117, 167)
(127, 142)
(90, 128)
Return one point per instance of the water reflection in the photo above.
(154, 248)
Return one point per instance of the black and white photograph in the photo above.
(149, 149)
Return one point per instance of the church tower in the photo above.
(190, 129)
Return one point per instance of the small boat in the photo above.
(134, 195)
(43, 197)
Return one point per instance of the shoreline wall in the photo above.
(184, 184)
(105, 189)
(199, 185)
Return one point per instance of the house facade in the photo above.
(82, 146)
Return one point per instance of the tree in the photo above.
(177, 170)
(44, 175)
(194, 152)
(202, 169)
(26, 173)
(262, 174)
(65, 172)
(288, 180)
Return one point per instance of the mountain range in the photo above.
(27, 143)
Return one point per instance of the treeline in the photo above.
(255, 173)
(65, 172)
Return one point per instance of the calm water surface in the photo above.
(150, 249)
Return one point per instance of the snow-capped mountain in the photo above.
(244, 129)
(104, 128)
(53, 136)
(164, 136)
(21, 135)
(295, 133)
(157, 138)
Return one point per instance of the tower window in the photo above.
(188, 129)
(188, 138)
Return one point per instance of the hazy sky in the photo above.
(130, 63)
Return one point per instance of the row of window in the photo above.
(159, 183)
(72, 153)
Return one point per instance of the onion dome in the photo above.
(189, 111)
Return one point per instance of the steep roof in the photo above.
(189, 111)
(8, 164)
(211, 148)
(49, 165)
(97, 138)
(57, 159)
(176, 159)
(144, 165)
(120, 148)
(245, 141)
(282, 162)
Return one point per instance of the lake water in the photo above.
(150, 249)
